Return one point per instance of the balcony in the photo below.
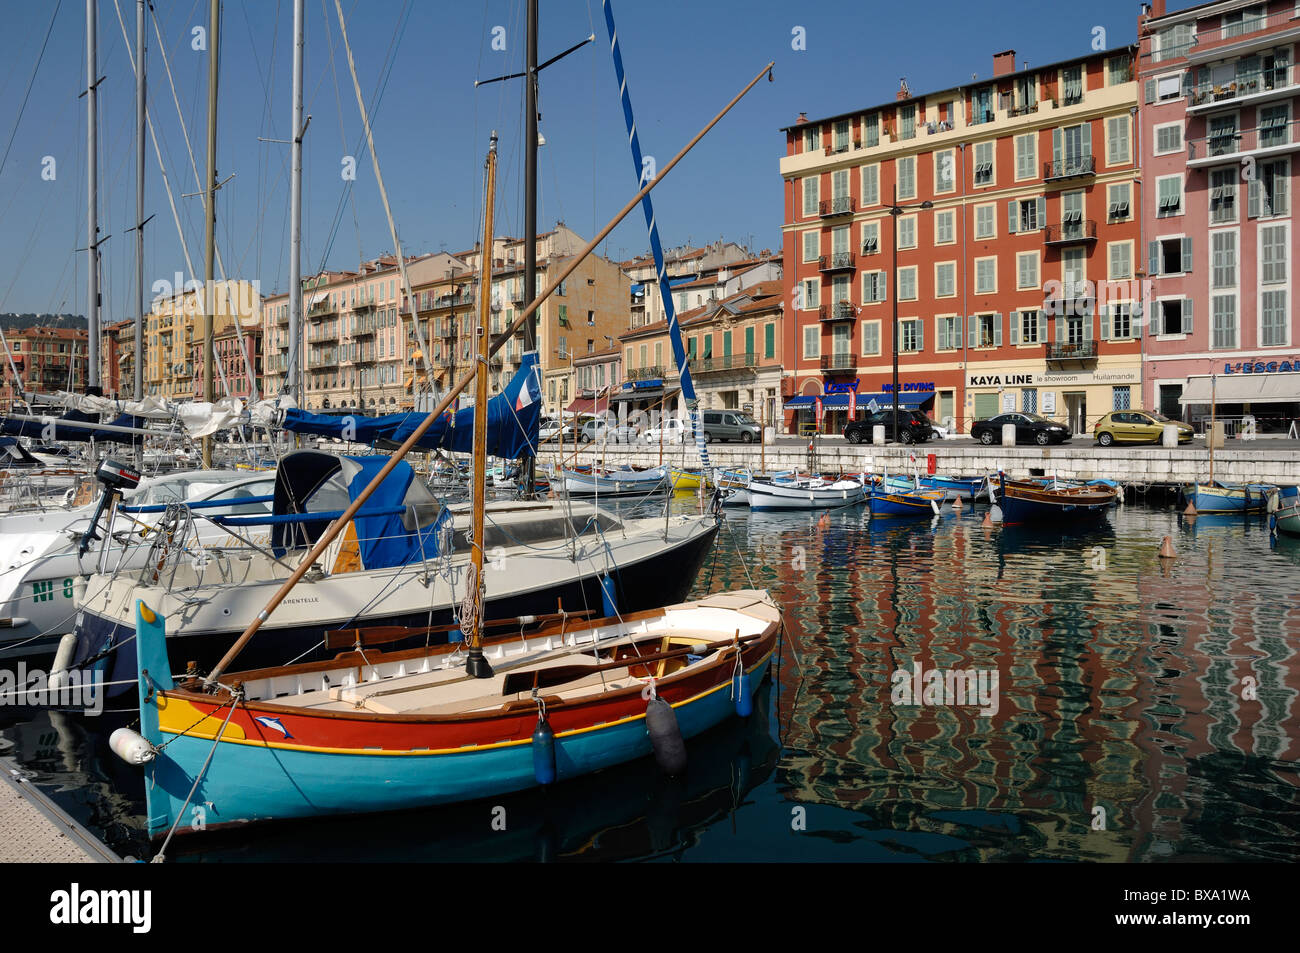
(839, 205)
(328, 358)
(1072, 351)
(1230, 145)
(728, 362)
(1071, 167)
(840, 311)
(1250, 33)
(654, 372)
(1246, 89)
(320, 309)
(1070, 233)
(839, 261)
(1024, 110)
(835, 363)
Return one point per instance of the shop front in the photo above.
(1264, 395)
(841, 399)
(1075, 398)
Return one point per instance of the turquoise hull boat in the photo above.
(1228, 497)
(1286, 518)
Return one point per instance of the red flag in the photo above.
(853, 405)
(819, 413)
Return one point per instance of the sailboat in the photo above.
(377, 730)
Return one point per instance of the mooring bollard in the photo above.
(1008, 435)
(878, 435)
(1170, 437)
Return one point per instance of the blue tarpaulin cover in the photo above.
(74, 425)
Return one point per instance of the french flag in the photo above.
(526, 395)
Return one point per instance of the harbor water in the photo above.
(944, 691)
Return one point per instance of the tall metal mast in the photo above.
(92, 197)
(292, 367)
(209, 290)
(138, 361)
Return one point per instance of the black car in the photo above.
(914, 426)
(1030, 428)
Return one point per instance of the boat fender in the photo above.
(131, 746)
(543, 751)
(63, 659)
(608, 599)
(740, 690)
(665, 736)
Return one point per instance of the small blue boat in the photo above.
(1228, 497)
(1034, 503)
(1285, 510)
(888, 502)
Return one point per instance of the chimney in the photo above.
(903, 91)
(1004, 63)
(803, 118)
(1157, 8)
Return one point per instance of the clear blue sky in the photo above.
(684, 61)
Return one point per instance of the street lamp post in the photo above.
(896, 210)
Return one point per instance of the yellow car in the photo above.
(1136, 426)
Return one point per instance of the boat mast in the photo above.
(138, 364)
(92, 197)
(1213, 433)
(292, 366)
(209, 291)
(476, 592)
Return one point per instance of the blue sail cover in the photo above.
(384, 538)
(514, 417)
(74, 425)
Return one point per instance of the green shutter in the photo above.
(749, 343)
(1015, 328)
(1187, 315)
(1187, 255)
(1042, 212)
(997, 329)
(1105, 323)
(769, 341)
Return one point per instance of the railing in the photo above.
(839, 362)
(839, 261)
(1071, 351)
(1066, 232)
(1172, 52)
(1072, 97)
(728, 362)
(839, 205)
(323, 359)
(654, 372)
(320, 309)
(1239, 142)
(1024, 110)
(1070, 167)
(1247, 84)
(836, 150)
(840, 311)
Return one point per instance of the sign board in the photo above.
(873, 406)
(1262, 367)
(1119, 375)
(1008, 401)
(1049, 402)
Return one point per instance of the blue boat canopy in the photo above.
(514, 417)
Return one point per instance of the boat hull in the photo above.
(905, 503)
(1286, 518)
(1228, 498)
(774, 496)
(1031, 504)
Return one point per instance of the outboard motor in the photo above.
(116, 477)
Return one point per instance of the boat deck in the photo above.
(35, 830)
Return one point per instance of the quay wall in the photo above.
(1143, 465)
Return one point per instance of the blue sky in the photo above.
(684, 61)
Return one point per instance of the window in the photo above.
(1170, 256)
(841, 135)
(1267, 192)
(1167, 88)
(944, 179)
(1072, 272)
(811, 294)
(1273, 125)
(871, 338)
(1119, 69)
(1272, 249)
(987, 331)
(1169, 138)
(1222, 139)
(1175, 316)
(1117, 322)
(870, 185)
(811, 342)
(1118, 202)
(769, 341)
(906, 166)
(985, 218)
(1224, 311)
(811, 246)
(986, 276)
(810, 195)
(947, 333)
(1169, 196)
(1272, 318)
(945, 279)
(1026, 215)
(1120, 264)
(1071, 85)
(982, 106)
(907, 283)
(870, 238)
(1223, 258)
(945, 232)
(1026, 156)
(810, 137)
(873, 287)
(1032, 326)
(1027, 270)
(873, 129)
(907, 121)
(1243, 21)
(907, 231)
(1173, 41)
(1119, 398)
(1223, 195)
(983, 163)
(909, 334)
(1117, 140)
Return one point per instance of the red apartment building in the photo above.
(1017, 285)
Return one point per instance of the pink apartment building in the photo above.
(1219, 144)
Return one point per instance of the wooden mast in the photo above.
(1213, 431)
(471, 618)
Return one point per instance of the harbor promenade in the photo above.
(35, 830)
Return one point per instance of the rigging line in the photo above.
(30, 82)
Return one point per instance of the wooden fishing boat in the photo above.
(615, 482)
(1284, 507)
(683, 480)
(1228, 497)
(376, 731)
(1032, 502)
(965, 487)
(805, 494)
(886, 501)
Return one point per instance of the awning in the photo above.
(588, 405)
(1243, 389)
(628, 396)
(909, 401)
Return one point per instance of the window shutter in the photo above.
(1056, 146)
(1252, 202)
(1011, 217)
(1042, 212)
(1015, 328)
(1042, 327)
(1153, 319)
(920, 335)
(1187, 255)
(1150, 95)
(1060, 329)
(1105, 323)
(997, 329)
(884, 287)
(971, 324)
(1087, 139)
(1187, 315)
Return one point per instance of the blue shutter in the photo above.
(997, 329)
(1187, 315)
(1187, 255)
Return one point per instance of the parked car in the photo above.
(1136, 426)
(548, 429)
(602, 431)
(914, 426)
(673, 430)
(1030, 428)
(729, 425)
